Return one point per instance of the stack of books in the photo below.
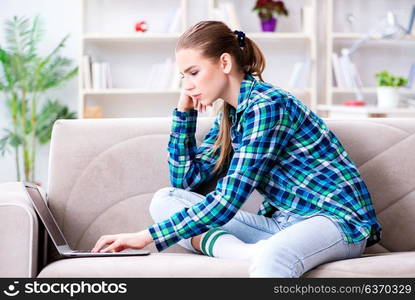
(163, 75)
(97, 75)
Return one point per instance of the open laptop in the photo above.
(56, 234)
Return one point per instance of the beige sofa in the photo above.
(103, 173)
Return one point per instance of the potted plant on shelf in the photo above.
(387, 89)
(25, 77)
(266, 10)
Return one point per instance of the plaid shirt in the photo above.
(280, 148)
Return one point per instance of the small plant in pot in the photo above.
(387, 88)
(266, 10)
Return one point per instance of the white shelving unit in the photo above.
(375, 55)
(291, 43)
(108, 35)
(124, 49)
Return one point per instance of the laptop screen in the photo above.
(45, 215)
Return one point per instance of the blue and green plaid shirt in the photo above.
(280, 148)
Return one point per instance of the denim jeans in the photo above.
(294, 244)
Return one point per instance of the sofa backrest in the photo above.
(103, 173)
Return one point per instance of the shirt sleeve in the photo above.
(190, 165)
(266, 130)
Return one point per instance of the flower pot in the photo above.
(387, 96)
(269, 25)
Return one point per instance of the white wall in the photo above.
(60, 18)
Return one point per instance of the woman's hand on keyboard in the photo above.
(119, 242)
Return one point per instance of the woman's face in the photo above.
(203, 79)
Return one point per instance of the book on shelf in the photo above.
(226, 12)
(175, 25)
(338, 71)
(307, 18)
(411, 76)
(96, 77)
(163, 76)
(411, 25)
(86, 68)
(101, 76)
(300, 75)
(106, 76)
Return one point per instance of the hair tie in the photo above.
(241, 37)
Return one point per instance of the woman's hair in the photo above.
(213, 38)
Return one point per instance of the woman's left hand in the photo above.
(119, 242)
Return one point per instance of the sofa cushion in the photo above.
(399, 264)
(154, 265)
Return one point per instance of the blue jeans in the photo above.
(294, 244)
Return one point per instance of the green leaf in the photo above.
(10, 139)
(4, 143)
(35, 35)
(50, 113)
(384, 78)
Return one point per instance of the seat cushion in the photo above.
(397, 264)
(154, 265)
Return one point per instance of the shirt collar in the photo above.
(245, 89)
(247, 84)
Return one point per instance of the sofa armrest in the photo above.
(18, 232)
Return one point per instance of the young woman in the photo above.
(316, 206)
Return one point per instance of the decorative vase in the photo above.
(387, 96)
(269, 25)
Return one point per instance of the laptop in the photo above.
(56, 234)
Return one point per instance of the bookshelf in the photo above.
(108, 37)
(373, 56)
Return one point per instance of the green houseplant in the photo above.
(25, 77)
(387, 88)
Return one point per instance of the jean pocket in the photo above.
(285, 220)
(355, 250)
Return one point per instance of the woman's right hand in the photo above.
(187, 103)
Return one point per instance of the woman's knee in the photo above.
(170, 200)
(157, 206)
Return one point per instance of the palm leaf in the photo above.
(54, 52)
(5, 69)
(35, 35)
(23, 37)
(4, 144)
(10, 139)
(50, 113)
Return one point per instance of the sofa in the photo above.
(104, 172)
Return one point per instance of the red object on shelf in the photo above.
(141, 26)
(354, 103)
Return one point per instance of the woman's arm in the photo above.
(267, 130)
(190, 165)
